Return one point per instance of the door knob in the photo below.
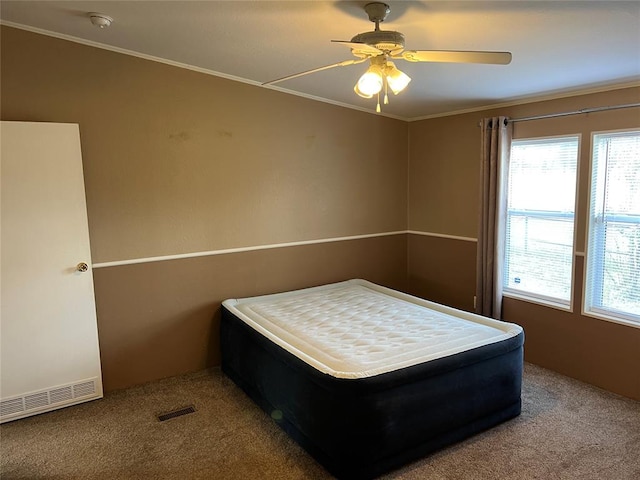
(82, 267)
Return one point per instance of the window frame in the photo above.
(608, 314)
(531, 297)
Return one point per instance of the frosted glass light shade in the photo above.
(362, 94)
(369, 84)
(396, 79)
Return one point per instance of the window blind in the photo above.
(613, 239)
(541, 196)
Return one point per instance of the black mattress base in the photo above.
(361, 428)
(365, 472)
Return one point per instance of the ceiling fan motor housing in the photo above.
(377, 11)
(385, 40)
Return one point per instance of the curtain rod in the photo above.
(575, 112)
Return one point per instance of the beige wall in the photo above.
(442, 270)
(178, 161)
(443, 193)
(444, 169)
(158, 319)
(444, 156)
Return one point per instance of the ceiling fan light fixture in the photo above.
(396, 79)
(361, 93)
(380, 46)
(370, 82)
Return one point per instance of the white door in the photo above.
(48, 332)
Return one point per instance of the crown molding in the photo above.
(513, 102)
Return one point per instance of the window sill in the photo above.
(545, 302)
(604, 315)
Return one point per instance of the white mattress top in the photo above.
(357, 329)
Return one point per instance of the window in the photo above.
(539, 224)
(612, 287)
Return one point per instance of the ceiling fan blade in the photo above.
(456, 56)
(344, 63)
(362, 47)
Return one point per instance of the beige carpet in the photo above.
(567, 430)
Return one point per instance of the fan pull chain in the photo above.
(378, 106)
(386, 90)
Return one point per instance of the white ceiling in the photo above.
(557, 46)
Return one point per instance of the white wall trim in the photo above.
(442, 235)
(225, 251)
(241, 249)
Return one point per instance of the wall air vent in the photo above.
(9, 407)
(83, 389)
(63, 394)
(50, 399)
(36, 400)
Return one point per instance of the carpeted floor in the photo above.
(567, 430)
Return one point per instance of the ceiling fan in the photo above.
(380, 47)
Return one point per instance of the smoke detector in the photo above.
(100, 20)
